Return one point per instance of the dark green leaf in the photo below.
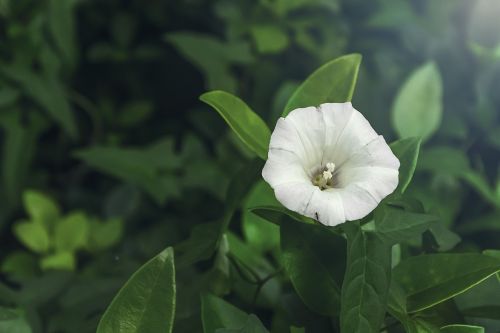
(396, 225)
(62, 28)
(217, 313)
(212, 56)
(406, 150)
(269, 38)
(48, 92)
(150, 168)
(333, 82)
(13, 321)
(314, 248)
(431, 279)
(366, 281)
(275, 214)
(146, 303)
(486, 311)
(249, 127)
(252, 325)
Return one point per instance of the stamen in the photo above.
(331, 167)
(324, 178)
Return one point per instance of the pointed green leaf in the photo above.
(247, 125)
(418, 107)
(71, 233)
(33, 235)
(308, 248)
(252, 325)
(146, 303)
(62, 27)
(366, 281)
(150, 168)
(333, 82)
(217, 313)
(396, 225)
(406, 150)
(431, 279)
(40, 207)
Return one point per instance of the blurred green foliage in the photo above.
(99, 111)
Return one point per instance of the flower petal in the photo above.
(326, 207)
(375, 154)
(368, 187)
(301, 132)
(347, 131)
(283, 166)
(295, 196)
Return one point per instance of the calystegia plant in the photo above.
(335, 225)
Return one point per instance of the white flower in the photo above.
(329, 164)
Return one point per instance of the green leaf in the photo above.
(444, 160)
(396, 225)
(313, 248)
(62, 28)
(486, 311)
(333, 82)
(418, 107)
(64, 261)
(252, 325)
(366, 281)
(151, 168)
(200, 245)
(249, 127)
(103, 235)
(146, 303)
(259, 233)
(48, 92)
(217, 313)
(275, 214)
(18, 150)
(406, 150)
(13, 321)
(33, 235)
(41, 208)
(212, 56)
(20, 264)
(294, 329)
(462, 329)
(71, 233)
(269, 38)
(428, 280)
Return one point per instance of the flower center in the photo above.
(324, 177)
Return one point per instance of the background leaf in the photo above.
(418, 107)
(430, 279)
(146, 303)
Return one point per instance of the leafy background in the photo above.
(109, 157)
